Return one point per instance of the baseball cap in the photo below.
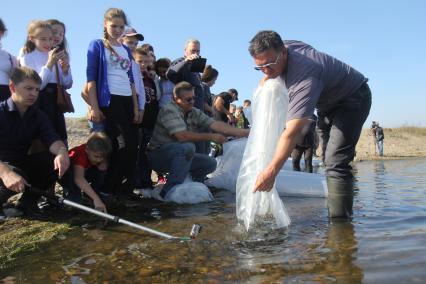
(132, 32)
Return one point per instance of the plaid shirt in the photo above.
(171, 119)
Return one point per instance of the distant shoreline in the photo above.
(400, 143)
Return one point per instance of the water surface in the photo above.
(384, 243)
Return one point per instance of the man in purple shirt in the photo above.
(20, 123)
(340, 94)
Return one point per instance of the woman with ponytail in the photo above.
(113, 100)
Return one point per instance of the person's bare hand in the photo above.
(61, 163)
(99, 205)
(218, 138)
(96, 115)
(14, 182)
(53, 56)
(265, 180)
(192, 57)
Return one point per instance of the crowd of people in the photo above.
(144, 114)
(147, 114)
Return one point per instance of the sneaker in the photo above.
(161, 180)
(31, 210)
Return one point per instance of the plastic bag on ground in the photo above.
(188, 192)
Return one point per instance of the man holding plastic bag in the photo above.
(315, 80)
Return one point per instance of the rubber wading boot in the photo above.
(340, 197)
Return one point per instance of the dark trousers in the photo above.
(296, 155)
(143, 167)
(37, 170)
(123, 134)
(341, 127)
(94, 176)
(47, 102)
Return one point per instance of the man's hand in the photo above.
(14, 182)
(265, 180)
(192, 57)
(218, 138)
(62, 162)
(242, 133)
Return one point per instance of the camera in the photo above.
(198, 65)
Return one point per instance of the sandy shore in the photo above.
(399, 143)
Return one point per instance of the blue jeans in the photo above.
(179, 159)
(379, 145)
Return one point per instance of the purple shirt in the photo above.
(316, 80)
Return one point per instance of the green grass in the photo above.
(20, 236)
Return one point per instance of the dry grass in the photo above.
(402, 142)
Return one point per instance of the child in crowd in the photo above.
(89, 164)
(112, 96)
(7, 63)
(52, 64)
(208, 79)
(242, 121)
(130, 39)
(165, 85)
(143, 172)
(232, 108)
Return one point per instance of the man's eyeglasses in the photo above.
(268, 65)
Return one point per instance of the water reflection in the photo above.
(385, 242)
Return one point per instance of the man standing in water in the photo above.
(315, 80)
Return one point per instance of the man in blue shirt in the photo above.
(20, 124)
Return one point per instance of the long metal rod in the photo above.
(116, 219)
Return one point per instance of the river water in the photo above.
(384, 243)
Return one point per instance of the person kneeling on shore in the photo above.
(20, 123)
(172, 150)
(88, 171)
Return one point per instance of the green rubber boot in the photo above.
(340, 197)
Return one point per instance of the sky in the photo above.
(384, 40)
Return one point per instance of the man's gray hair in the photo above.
(192, 40)
(265, 40)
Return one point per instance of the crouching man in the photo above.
(172, 150)
(20, 123)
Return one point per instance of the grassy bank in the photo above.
(20, 236)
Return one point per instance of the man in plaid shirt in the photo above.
(172, 150)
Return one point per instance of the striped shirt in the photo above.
(172, 119)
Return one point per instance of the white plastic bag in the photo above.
(188, 192)
(228, 165)
(269, 111)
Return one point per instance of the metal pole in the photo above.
(117, 219)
